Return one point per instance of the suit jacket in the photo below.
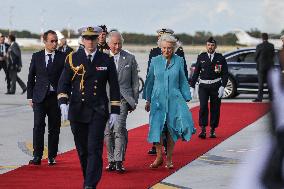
(2, 54)
(206, 69)
(14, 57)
(128, 78)
(67, 50)
(264, 56)
(83, 85)
(157, 51)
(41, 76)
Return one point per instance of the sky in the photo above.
(144, 16)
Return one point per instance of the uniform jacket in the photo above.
(128, 78)
(86, 92)
(167, 89)
(208, 70)
(41, 76)
(157, 51)
(264, 56)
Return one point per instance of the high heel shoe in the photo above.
(169, 165)
(156, 164)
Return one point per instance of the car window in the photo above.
(247, 57)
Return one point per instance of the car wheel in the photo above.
(230, 90)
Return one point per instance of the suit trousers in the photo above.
(13, 79)
(116, 138)
(3, 65)
(206, 92)
(48, 107)
(261, 80)
(89, 139)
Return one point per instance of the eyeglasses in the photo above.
(53, 41)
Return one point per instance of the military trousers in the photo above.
(89, 139)
(206, 92)
(116, 138)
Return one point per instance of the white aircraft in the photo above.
(33, 42)
(245, 39)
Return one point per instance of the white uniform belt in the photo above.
(209, 81)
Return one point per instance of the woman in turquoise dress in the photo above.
(166, 92)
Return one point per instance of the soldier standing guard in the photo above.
(213, 71)
(102, 44)
(83, 84)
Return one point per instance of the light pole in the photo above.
(10, 18)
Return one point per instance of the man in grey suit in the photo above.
(264, 57)
(116, 136)
(14, 65)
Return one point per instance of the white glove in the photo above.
(192, 92)
(112, 120)
(220, 92)
(64, 112)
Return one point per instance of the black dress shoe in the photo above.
(119, 167)
(35, 161)
(257, 100)
(111, 166)
(24, 90)
(202, 134)
(51, 161)
(212, 133)
(10, 93)
(152, 151)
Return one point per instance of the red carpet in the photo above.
(67, 173)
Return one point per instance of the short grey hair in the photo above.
(169, 38)
(282, 37)
(114, 33)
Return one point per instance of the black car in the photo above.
(242, 72)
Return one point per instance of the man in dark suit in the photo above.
(212, 72)
(63, 47)
(3, 59)
(45, 70)
(155, 52)
(264, 57)
(83, 83)
(14, 65)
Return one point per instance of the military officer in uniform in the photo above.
(155, 52)
(212, 69)
(102, 44)
(83, 85)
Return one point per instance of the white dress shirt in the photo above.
(212, 56)
(46, 63)
(93, 54)
(116, 58)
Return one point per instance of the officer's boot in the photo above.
(202, 133)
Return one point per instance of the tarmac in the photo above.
(216, 169)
